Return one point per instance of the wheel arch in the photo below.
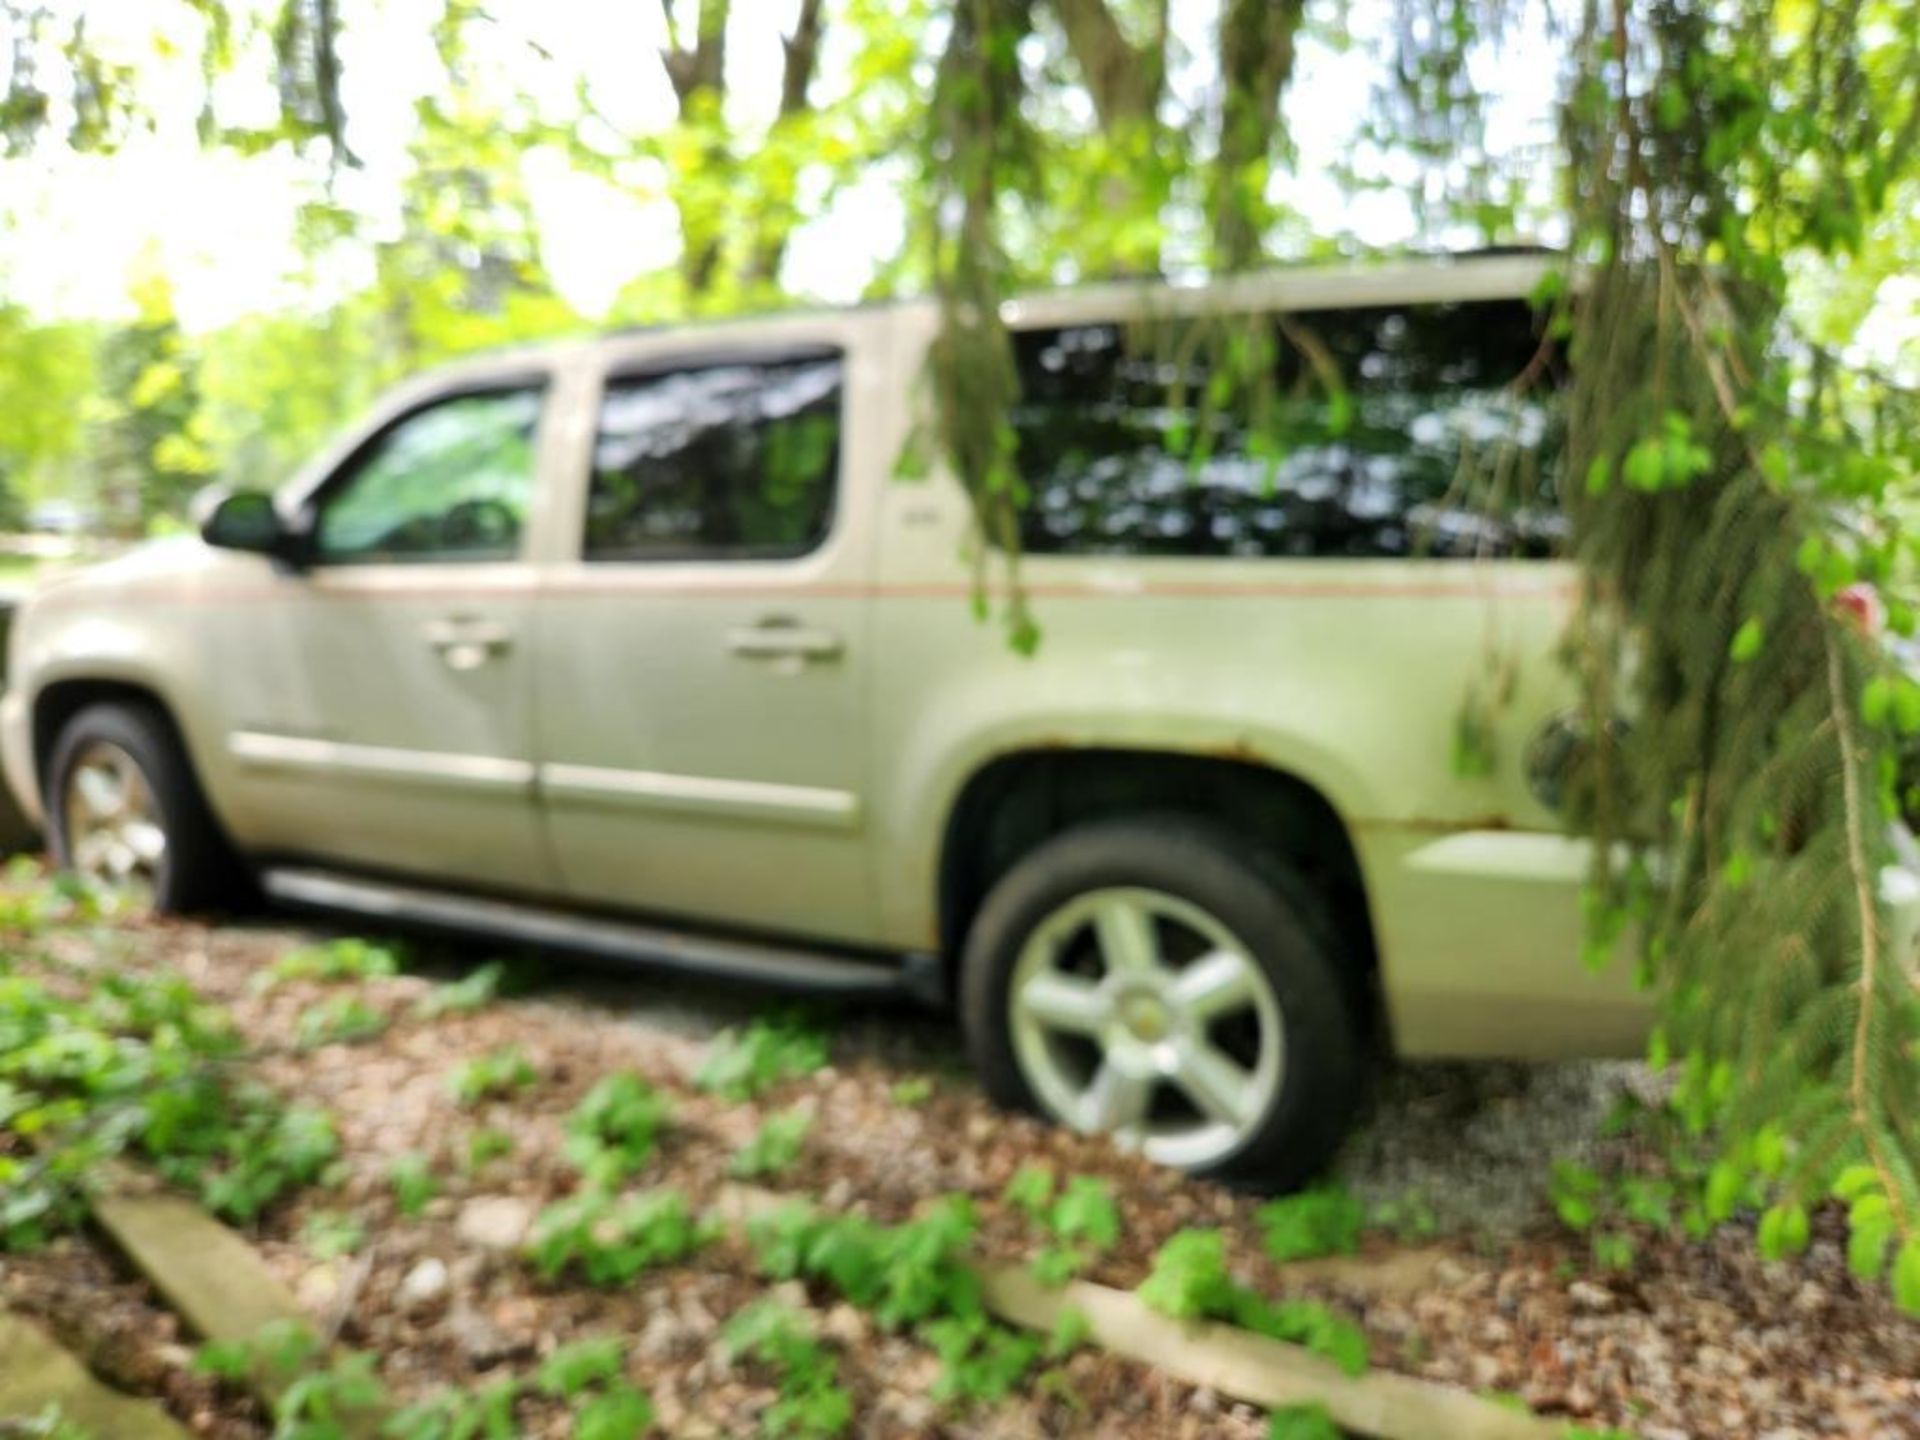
(1016, 800)
(58, 701)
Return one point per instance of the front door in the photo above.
(704, 663)
(397, 731)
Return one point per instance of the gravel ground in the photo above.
(1696, 1341)
(1465, 1139)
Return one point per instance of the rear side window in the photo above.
(725, 461)
(1394, 431)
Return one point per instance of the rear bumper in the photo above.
(1481, 934)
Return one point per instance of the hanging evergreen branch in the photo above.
(1736, 483)
(978, 149)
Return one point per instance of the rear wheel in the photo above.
(1152, 980)
(125, 811)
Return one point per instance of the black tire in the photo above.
(1261, 903)
(200, 869)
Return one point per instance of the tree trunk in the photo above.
(776, 221)
(697, 69)
(1125, 80)
(1256, 61)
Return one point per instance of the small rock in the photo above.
(424, 1284)
(1588, 1296)
(494, 1222)
(317, 1288)
(481, 1340)
(847, 1325)
(790, 1293)
(1204, 1402)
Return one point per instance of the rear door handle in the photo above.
(781, 637)
(466, 643)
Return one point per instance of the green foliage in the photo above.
(1325, 1221)
(614, 1130)
(915, 1091)
(1080, 1220)
(1760, 475)
(610, 1241)
(1303, 1422)
(578, 1367)
(315, 1397)
(741, 1065)
(413, 1182)
(329, 1234)
(619, 1412)
(981, 1362)
(812, 1404)
(1190, 1281)
(493, 1076)
(776, 1145)
(339, 1020)
(909, 1276)
(483, 1414)
(334, 962)
(473, 991)
(592, 1373)
(486, 1145)
(1070, 1331)
(135, 1064)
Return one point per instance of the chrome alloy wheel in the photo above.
(1136, 1013)
(114, 834)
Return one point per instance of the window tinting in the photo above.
(1441, 438)
(448, 483)
(731, 461)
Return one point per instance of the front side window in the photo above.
(1384, 432)
(732, 461)
(452, 482)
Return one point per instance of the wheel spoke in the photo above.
(1065, 1002)
(147, 841)
(101, 793)
(1116, 1100)
(1218, 1088)
(90, 852)
(1218, 983)
(1128, 944)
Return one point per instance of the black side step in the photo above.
(758, 962)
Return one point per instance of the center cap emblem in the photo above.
(1146, 1018)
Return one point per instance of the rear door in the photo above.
(703, 659)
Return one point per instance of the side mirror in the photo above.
(241, 520)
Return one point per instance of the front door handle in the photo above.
(781, 637)
(465, 643)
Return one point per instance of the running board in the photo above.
(757, 962)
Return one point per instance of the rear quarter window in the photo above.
(1379, 432)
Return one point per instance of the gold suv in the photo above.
(641, 646)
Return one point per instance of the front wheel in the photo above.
(1149, 979)
(125, 811)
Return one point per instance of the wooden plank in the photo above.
(36, 1373)
(1260, 1370)
(217, 1282)
(1234, 1362)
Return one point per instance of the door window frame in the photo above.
(617, 370)
(538, 382)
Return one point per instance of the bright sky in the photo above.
(222, 224)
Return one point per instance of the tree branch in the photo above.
(1124, 79)
(803, 58)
